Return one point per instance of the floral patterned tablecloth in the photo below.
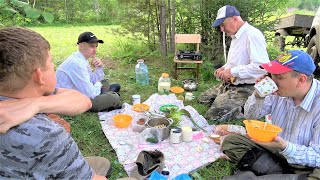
(184, 157)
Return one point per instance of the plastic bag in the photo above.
(228, 128)
(156, 176)
(150, 136)
(183, 177)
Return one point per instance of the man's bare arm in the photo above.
(66, 102)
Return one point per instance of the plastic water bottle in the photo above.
(142, 76)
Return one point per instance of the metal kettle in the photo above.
(190, 84)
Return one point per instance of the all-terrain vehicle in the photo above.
(296, 25)
(313, 39)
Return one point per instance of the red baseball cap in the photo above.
(294, 60)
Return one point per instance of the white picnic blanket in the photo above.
(179, 158)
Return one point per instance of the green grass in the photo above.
(120, 54)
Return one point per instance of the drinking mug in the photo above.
(189, 96)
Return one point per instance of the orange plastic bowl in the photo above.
(122, 120)
(177, 89)
(261, 131)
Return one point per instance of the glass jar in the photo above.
(164, 83)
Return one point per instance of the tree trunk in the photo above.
(163, 39)
(96, 7)
(169, 25)
(173, 25)
(66, 10)
(149, 21)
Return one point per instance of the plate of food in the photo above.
(140, 107)
(168, 107)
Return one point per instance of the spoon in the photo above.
(265, 124)
(123, 143)
(253, 123)
(144, 111)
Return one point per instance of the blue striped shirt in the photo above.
(300, 124)
(75, 73)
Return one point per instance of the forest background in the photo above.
(134, 29)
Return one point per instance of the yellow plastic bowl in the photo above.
(260, 131)
(122, 120)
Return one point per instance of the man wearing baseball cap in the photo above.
(247, 52)
(295, 109)
(75, 73)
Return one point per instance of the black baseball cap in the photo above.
(88, 37)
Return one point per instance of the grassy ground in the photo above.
(86, 128)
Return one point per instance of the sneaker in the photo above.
(100, 165)
(115, 88)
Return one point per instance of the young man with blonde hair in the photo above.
(38, 148)
(76, 73)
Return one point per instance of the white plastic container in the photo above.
(164, 83)
(136, 99)
(186, 134)
(175, 135)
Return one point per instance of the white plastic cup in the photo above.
(266, 87)
(136, 99)
(186, 133)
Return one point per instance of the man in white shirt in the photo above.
(75, 73)
(247, 52)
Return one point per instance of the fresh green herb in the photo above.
(175, 115)
(165, 91)
(152, 140)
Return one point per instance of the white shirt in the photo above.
(75, 73)
(300, 124)
(248, 50)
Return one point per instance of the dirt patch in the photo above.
(109, 63)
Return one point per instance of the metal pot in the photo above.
(163, 131)
(190, 85)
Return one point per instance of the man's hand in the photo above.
(260, 78)
(16, 111)
(96, 62)
(225, 75)
(218, 72)
(278, 142)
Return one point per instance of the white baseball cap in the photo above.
(223, 13)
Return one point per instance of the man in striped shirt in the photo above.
(294, 108)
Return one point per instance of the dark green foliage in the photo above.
(15, 12)
(194, 16)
